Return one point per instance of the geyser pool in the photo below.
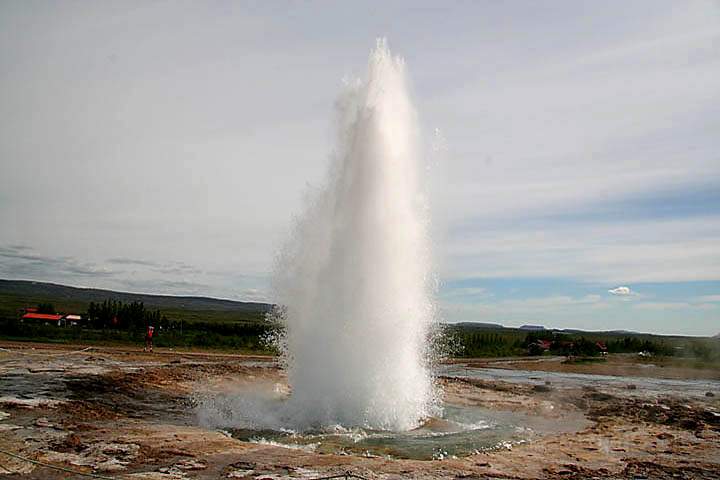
(463, 431)
(354, 279)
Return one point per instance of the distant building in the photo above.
(72, 320)
(24, 310)
(545, 344)
(51, 318)
(539, 347)
(535, 328)
(41, 318)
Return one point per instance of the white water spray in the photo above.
(354, 279)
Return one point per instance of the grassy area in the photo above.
(10, 305)
(241, 338)
(470, 342)
(192, 322)
(197, 322)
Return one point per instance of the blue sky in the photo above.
(572, 147)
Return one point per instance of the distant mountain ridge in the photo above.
(479, 325)
(541, 328)
(31, 288)
(533, 328)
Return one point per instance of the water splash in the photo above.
(355, 278)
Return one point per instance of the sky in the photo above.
(572, 148)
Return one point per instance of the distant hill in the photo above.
(479, 325)
(30, 288)
(536, 328)
(540, 328)
(15, 294)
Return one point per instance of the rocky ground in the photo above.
(119, 413)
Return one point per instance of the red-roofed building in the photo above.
(545, 344)
(41, 318)
(539, 347)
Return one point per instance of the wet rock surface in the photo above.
(669, 411)
(124, 414)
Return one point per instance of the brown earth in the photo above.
(120, 413)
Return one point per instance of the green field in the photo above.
(475, 342)
(179, 321)
(230, 325)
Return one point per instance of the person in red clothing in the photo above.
(149, 339)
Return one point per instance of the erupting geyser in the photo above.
(354, 279)
(353, 282)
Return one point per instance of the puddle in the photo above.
(53, 383)
(129, 400)
(31, 389)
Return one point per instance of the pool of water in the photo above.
(644, 386)
(462, 430)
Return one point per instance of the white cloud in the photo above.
(571, 124)
(621, 291)
(576, 105)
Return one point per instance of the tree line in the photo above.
(117, 315)
(468, 343)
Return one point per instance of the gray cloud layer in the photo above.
(166, 145)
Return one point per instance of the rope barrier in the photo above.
(55, 467)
